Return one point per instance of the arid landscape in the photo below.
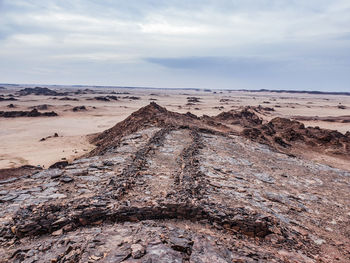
(82, 111)
(154, 175)
(182, 131)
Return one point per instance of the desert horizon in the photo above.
(75, 126)
(182, 131)
(230, 163)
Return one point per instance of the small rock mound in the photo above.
(32, 113)
(41, 107)
(286, 133)
(246, 117)
(39, 91)
(79, 108)
(24, 170)
(2, 98)
(69, 99)
(148, 116)
(280, 133)
(105, 98)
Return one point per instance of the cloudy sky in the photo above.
(230, 44)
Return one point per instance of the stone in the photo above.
(265, 178)
(56, 196)
(8, 197)
(93, 257)
(118, 255)
(52, 173)
(66, 179)
(181, 244)
(23, 197)
(50, 185)
(7, 181)
(137, 251)
(57, 232)
(108, 163)
(76, 172)
(162, 254)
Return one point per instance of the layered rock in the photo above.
(32, 113)
(169, 187)
(288, 133)
(39, 91)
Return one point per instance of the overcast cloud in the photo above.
(277, 44)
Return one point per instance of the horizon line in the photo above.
(317, 92)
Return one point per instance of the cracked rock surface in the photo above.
(173, 191)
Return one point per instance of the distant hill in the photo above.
(300, 92)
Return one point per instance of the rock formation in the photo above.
(32, 113)
(79, 108)
(287, 133)
(40, 91)
(169, 187)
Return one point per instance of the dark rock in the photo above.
(108, 163)
(193, 100)
(69, 99)
(79, 108)
(32, 113)
(7, 99)
(11, 180)
(137, 251)
(181, 244)
(246, 117)
(170, 187)
(66, 179)
(101, 98)
(132, 98)
(39, 91)
(41, 107)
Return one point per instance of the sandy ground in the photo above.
(20, 137)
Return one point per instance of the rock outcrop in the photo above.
(32, 113)
(40, 91)
(3, 98)
(79, 108)
(246, 117)
(286, 133)
(148, 116)
(168, 187)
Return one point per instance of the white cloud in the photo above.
(37, 40)
(306, 35)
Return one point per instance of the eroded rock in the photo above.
(172, 188)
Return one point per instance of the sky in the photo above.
(215, 44)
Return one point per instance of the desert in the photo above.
(86, 115)
(152, 175)
(184, 131)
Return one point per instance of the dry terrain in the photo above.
(20, 137)
(193, 176)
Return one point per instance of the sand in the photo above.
(20, 137)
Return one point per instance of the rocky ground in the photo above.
(168, 187)
(32, 113)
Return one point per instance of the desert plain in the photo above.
(21, 136)
(137, 175)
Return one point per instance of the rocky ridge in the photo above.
(168, 187)
(40, 91)
(33, 113)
